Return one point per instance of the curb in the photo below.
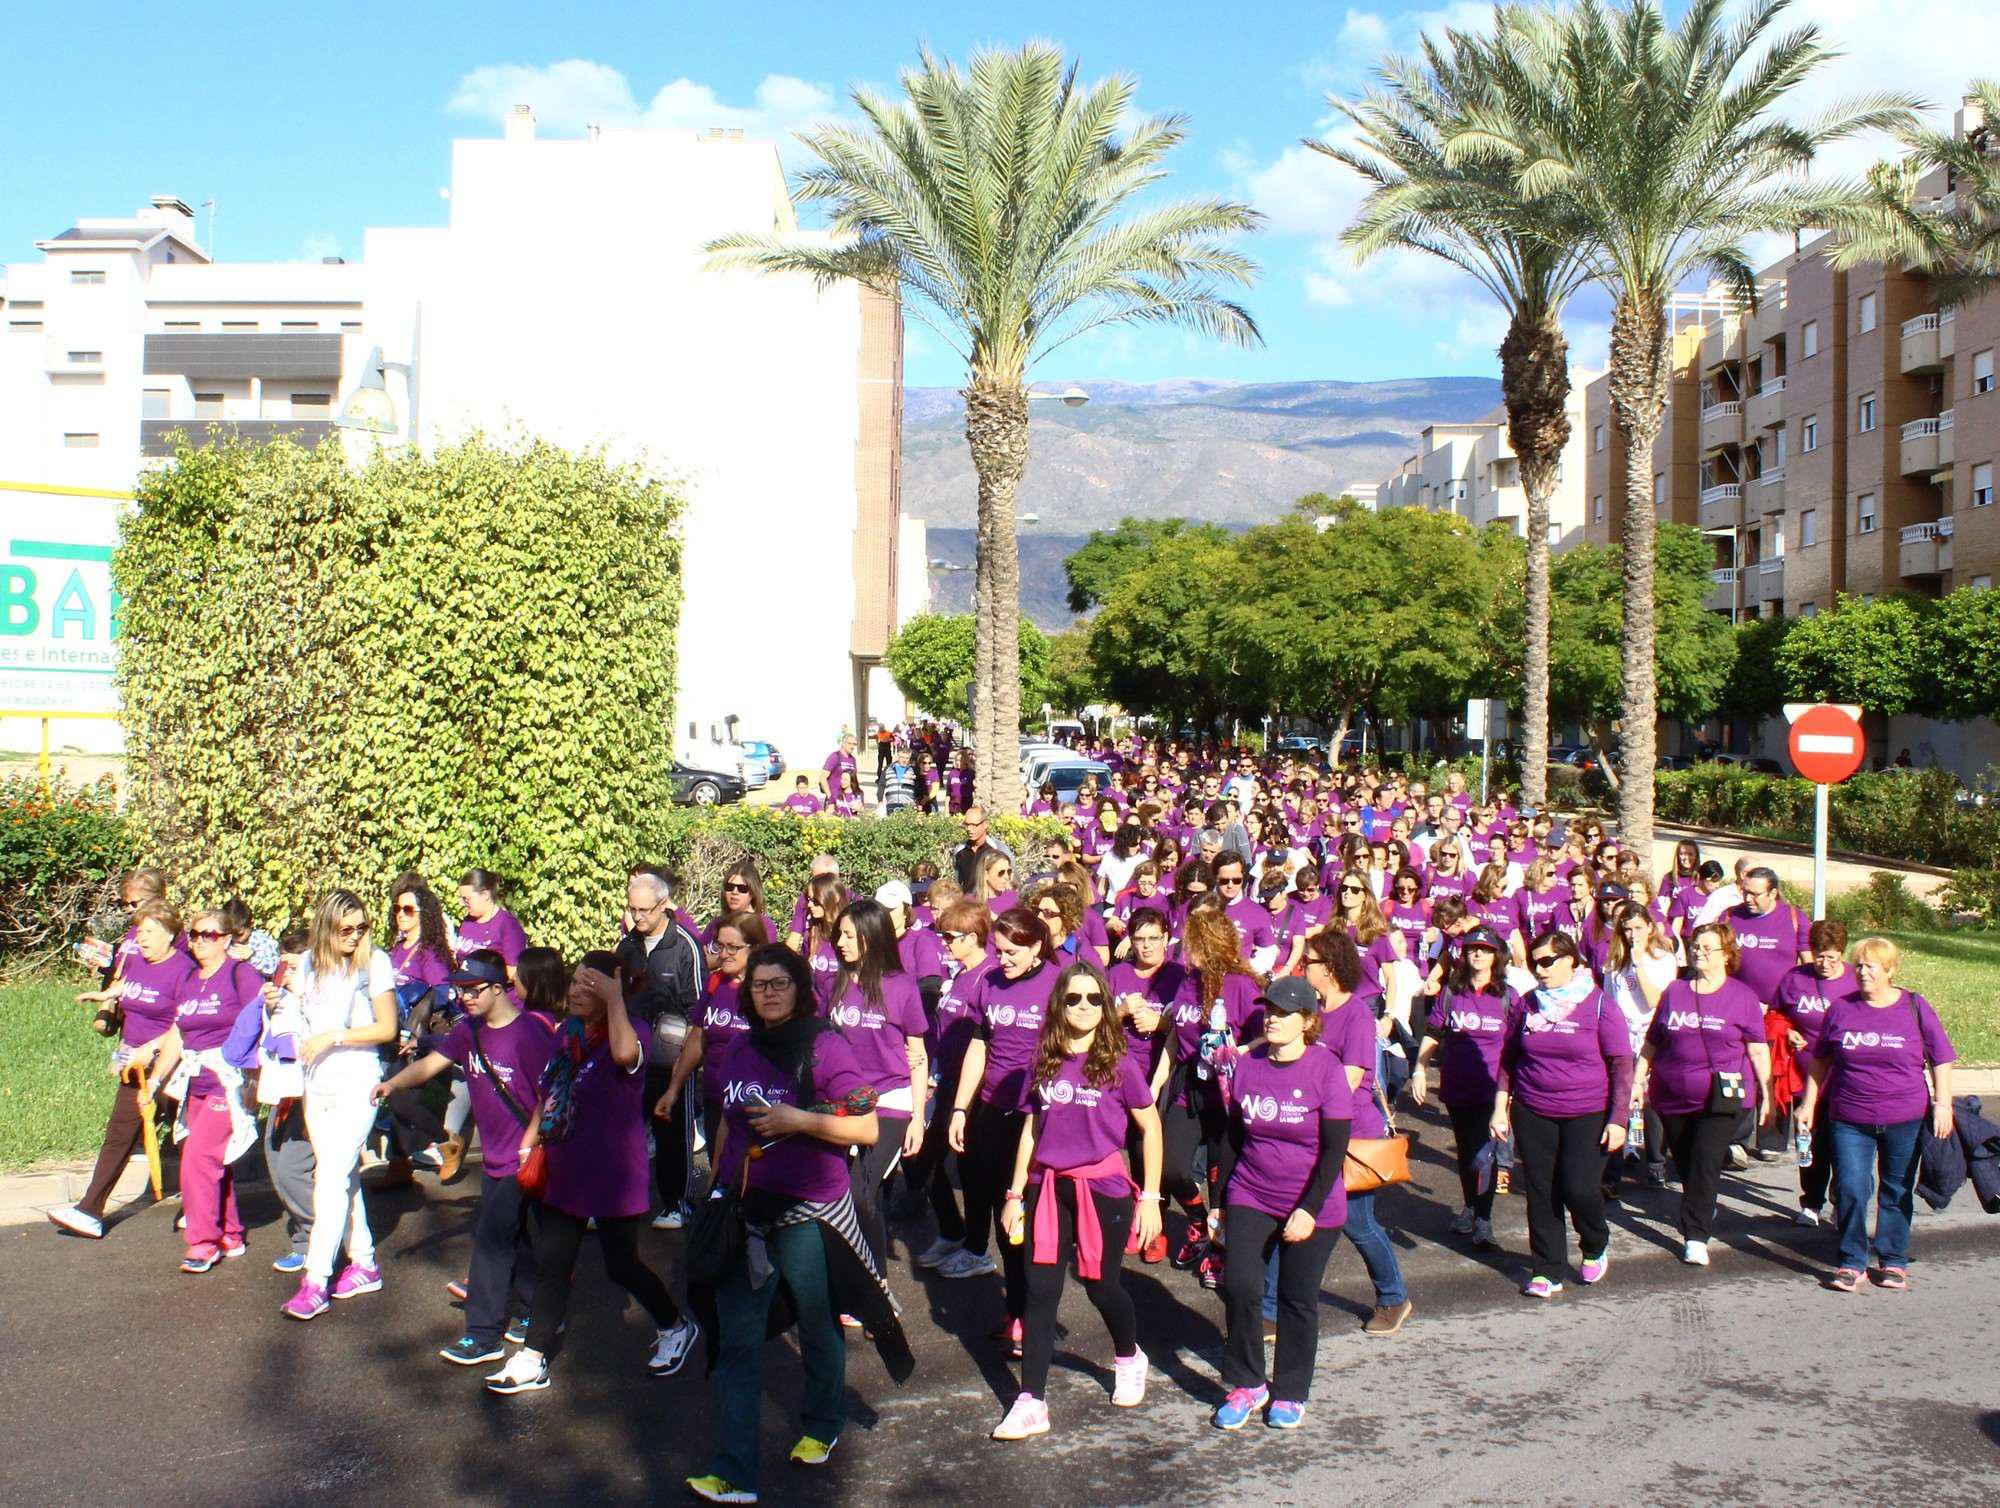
(27, 1197)
(1800, 850)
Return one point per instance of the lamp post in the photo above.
(369, 408)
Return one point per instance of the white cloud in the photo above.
(568, 96)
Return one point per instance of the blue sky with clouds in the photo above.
(307, 124)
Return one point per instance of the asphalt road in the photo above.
(1744, 1383)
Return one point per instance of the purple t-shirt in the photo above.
(1009, 1013)
(1092, 932)
(1281, 1106)
(825, 966)
(837, 761)
(1459, 884)
(922, 953)
(721, 1019)
(1348, 1032)
(1537, 910)
(207, 1009)
(796, 1166)
(1078, 1124)
(955, 1024)
(880, 1034)
(600, 1170)
(1471, 1026)
(1253, 926)
(801, 802)
(1191, 1008)
(149, 994)
(416, 964)
(1501, 915)
(1804, 997)
(1875, 1057)
(1770, 945)
(518, 1051)
(1161, 991)
(1694, 1036)
(500, 932)
(1562, 1068)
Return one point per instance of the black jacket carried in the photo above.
(668, 978)
(1971, 1151)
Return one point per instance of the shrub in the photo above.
(1893, 814)
(1976, 891)
(438, 662)
(62, 848)
(1884, 904)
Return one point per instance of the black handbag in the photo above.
(715, 1239)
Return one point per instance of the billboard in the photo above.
(58, 611)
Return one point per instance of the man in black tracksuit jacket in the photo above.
(660, 964)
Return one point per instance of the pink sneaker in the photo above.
(308, 1303)
(355, 1280)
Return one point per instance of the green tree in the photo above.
(1165, 641)
(1696, 648)
(1073, 681)
(1868, 653)
(1110, 555)
(931, 660)
(1960, 651)
(1530, 255)
(1666, 145)
(1756, 687)
(999, 203)
(443, 662)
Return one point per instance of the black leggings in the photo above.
(413, 1125)
(1700, 1147)
(868, 1168)
(1253, 1236)
(1561, 1167)
(991, 1143)
(670, 1140)
(1184, 1129)
(927, 1170)
(556, 1246)
(1813, 1181)
(1470, 1130)
(1045, 1282)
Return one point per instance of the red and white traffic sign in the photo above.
(1826, 742)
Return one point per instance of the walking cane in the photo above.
(149, 1133)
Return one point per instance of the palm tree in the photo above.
(1960, 246)
(1665, 142)
(998, 203)
(1529, 256)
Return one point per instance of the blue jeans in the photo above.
(798, 1254)
(1859, 1153)
(1384, 1271)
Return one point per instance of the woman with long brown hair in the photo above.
(742, 895)
(825, 898)
(1071, 1195)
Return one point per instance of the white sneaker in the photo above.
(1028, 1416)
(1738, 1158)
(1804, 1216)
(672, 1347)
(1128, 1389)
(1466, 1220)
(966, 1264)
(937, 1252)
(526, 1372)
(1695, 1254)
(672, 1219)
(1482, 1233)
(76, 1222)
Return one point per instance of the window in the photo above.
(299, 324)
(24, 326)
(1597, 508)
(91, 275)
(1864, 513)
(350, 324)
(239, 324)
(86, 358)
(183, 324)
(1809, 435)
(208, 405)
(1867, 312)
(1808, 609)
(1864, 414)
(310, 401)
(1597, 438)
(1982, 371)
(1981, 583)
(1809, 527)
(1778, 446)
(74, 441)
(1809, 339)
(1982, 485)
(1555, 535)
(1659, 489)
(153, 404)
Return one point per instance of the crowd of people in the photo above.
(1181, 1033)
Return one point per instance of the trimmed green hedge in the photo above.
(62, 848)
(1895, 814)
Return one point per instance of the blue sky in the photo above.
(308, 124)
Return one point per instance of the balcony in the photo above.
(1766, 409)
(156, 435)
(1763, 581)
(1722, 594)
(1925, 549)
(1927, 445)
(1721, 424)
(1771, 490)
(1768, 323)
(1722, 343)
(1722, 506)
(1920, 345)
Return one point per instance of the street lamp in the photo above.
(1070, 397)
(369, 407)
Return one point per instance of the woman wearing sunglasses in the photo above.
(720, 1020)
(1468, 1023)
(421, 959)
(1566, 1060)
(1071, 1197)
(1284, 1200)
(742, 894)
(995, 884)
(347, 1000)
(1407, 911)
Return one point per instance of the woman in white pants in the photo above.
(347, 995)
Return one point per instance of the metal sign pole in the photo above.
(1820, 794)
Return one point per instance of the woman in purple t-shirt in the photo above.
(1566, 1059)
(1282, 1193)
(487, 923)
(1805, 995)
(1706, 1038)
(742, 894)
(1468, 1022)
(1071, 1194)
(963, 927)
(720, 1019)
(1865, 1071)
(591, 1124)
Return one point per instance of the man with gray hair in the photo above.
(659, 963)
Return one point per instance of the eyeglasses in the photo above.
(204, 935)
(1542, 961)
(406, 908)
(1048, 913)
(732, 949)
(952, 937)
(351, 929)
(1093, 998)
(771, 986)
(473, 991)
(735, 887)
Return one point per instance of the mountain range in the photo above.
(1233, 453)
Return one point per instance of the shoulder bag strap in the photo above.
(486, 1067)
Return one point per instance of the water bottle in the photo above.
(1635, 1131)
(1211, 1040)
(1803, 1141)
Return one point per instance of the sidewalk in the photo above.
(1793, 869)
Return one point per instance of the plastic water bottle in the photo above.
(1803, 1141)
(1211, 1041)
(1635, 1131)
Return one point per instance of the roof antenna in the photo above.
(209, 205)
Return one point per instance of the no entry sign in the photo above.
(1826, 744)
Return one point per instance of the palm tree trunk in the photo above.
(1641, 361)
(996, 428)
(1534, 378)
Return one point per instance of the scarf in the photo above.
(1555, 1004)
(575, 1042)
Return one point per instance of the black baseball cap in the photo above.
(482, 966)
(1481, 937)
(1613, 893)
(1290, 996)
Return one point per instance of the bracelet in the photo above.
(1014, 1194)
(958, 1109)
(1149, 1198)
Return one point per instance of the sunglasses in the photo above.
(1352, 890)
(1048, 913)
(1545, 961)
(735, 887)
(204, 935)
(1234, 882)
(406, 908)
(1093, 998)
(352, 929)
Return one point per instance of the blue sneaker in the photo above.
(469, 1352)
(290, 1262)
(1285, 1415)
(517, 1332)
(1237, 1408)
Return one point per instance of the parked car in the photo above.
(1066, 775)
(759, 751)
(1673, 762)
(1298, 743)
(698, 787)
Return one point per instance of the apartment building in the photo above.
(568, 295)
(1469, 468)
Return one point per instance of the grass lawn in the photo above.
(1959, 973)
(55, 1091)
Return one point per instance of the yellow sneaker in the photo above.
(714, 1490)
(811, 1452)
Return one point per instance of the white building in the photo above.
(568, 296)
